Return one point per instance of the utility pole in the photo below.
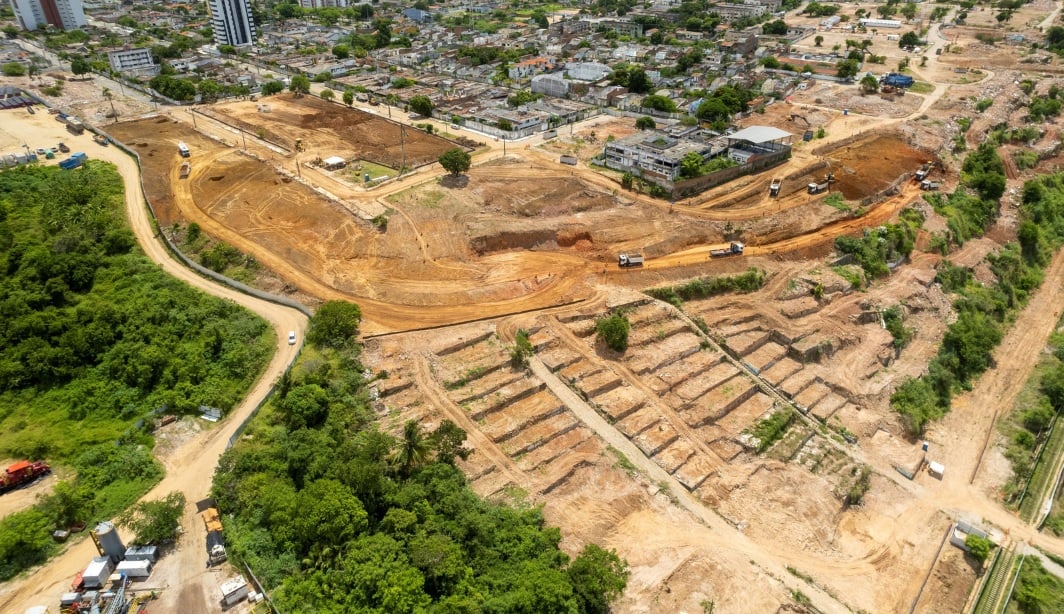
(402, 147)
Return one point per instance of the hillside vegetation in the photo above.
(334, 514)
(96, 338)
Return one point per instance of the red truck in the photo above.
(21, 473)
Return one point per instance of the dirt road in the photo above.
(190, 469)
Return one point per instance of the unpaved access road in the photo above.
(190, 469)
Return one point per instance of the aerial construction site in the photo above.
(741, 450)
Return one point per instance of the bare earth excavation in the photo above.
(742, 450)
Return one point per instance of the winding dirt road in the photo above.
(190, 469)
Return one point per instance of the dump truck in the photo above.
(101, 139)
(186, 170)
(22, 473)
(897, 80)
(817, 188)
(629, 260)
(74, 125)
(774, 187)
(928, 186)
(75, 160)
(922, 172)
(734, 249)
(212, 520)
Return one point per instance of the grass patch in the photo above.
(921, 87)
(1037, 590)
(377, 172)
(771, 429)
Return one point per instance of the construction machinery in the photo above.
(795, 116)
(183, 150)
(300, 146)
(63, 148)
(923, 171)
(75, 160)
(186, 169)
(101, 139)
(774, 187)
(734, 249)
(212, 520)
(929, 186)
(629, 260)
(22, 473)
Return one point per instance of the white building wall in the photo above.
(31, 14)
(231, 22)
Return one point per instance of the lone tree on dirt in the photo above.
(869, 85)
(455, 161)
(300, 85)
(613, 331)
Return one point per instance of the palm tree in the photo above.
(110, 98)
(413, 449)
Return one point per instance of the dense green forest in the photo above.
(984, 311)
(95, 338)
(335, 515)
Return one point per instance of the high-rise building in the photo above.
(231, 22)
(33, 14)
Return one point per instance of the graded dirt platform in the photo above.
(329, 129)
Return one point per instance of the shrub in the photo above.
(771, 429)
(978, 546)
(522, 350)
(613, 331)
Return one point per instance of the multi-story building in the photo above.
(64, 14)
(231, 22)
(137, 61)
(321, 4)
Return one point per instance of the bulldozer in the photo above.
(300, 146)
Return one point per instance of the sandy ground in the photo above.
(186, 586)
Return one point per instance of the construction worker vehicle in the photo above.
(735, 249)
(22, 473)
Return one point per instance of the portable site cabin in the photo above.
(233, 591)
(142, 553)
(134, 570)
(96, 574)
(333, 163)
(936, 469)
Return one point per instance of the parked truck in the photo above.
(817, 188)
(922, 172)
(734, 249)
(75, 160)
(897, 80)
(101, 139)
(215, 537)
(929, 186)
(22, 473)
(185, 152)
(629, 260)
(74, 125)
(774, 187)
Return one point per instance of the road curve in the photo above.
(191, 468)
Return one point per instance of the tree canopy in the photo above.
(335, 324)
(455, 161)
(339, 516)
